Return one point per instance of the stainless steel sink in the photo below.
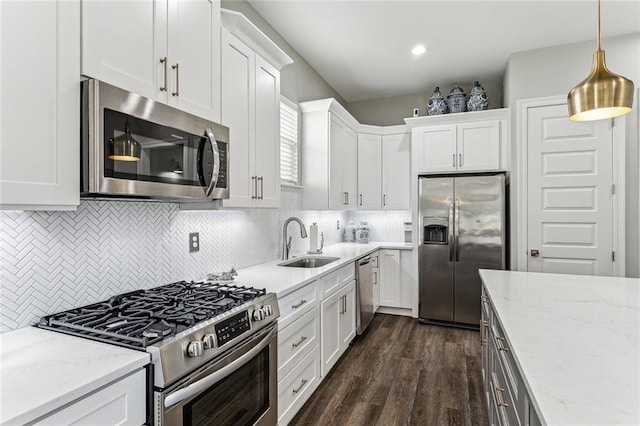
(308, 262)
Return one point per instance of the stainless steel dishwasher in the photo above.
(364, 297)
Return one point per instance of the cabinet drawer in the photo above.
(347, 273)
(297, 340)
(122, 403)
(330, 283)
(505, 358)
(294, 305)
(297, 386)
(505, 404)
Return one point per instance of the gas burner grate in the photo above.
(141, 318)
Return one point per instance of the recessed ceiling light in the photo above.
(418, 50)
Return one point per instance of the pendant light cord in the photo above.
(598, 26)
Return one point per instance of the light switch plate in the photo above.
(194, 241)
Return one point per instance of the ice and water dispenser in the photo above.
(436, 230)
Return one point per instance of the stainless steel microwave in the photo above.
(134, 147)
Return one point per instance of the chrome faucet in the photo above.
(286, 243)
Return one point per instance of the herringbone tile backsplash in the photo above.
(53, 261)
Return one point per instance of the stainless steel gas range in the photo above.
(213, 349)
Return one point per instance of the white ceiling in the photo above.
(362, 48)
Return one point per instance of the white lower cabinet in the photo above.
(338, 325)
(121, 403)
(296, 387)
(395, 279)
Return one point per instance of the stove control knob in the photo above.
(209, 341)
(195, 348)
(258, 315)
(267, 310)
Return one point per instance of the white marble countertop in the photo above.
(283, 281)
(41, 370)
(576, 340)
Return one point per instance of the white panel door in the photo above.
(238, 113)
(190, 53)
(350, 166)
(330, 342)
(337, 195)
(395, 171)
(369, 171)
(569, 193)
(267, 145)
(123, 42)
(40, 105)
(348, 318)
(437, 151)
(389, 266)
(478, 146)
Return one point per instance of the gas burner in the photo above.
(144, 317)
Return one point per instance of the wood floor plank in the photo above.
(401, 372)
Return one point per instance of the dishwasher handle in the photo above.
(363, 262)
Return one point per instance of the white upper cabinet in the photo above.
(369, 171)
(396, 162)
(251, 109)
(329, 156)
(40, 105)
(167, 50)
(467, 142)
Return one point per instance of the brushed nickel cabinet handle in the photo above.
(460, 160)
(297, 305)
(177, 68)
(360, 199)
(485, 323)
(299, 388)
(345, 198)
(302, 339)
(261, 196)
(384, 200)
(163, 61)
(453, 161)
(255, 188)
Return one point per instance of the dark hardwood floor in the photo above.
(401, 372)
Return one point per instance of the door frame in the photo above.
(521, 195)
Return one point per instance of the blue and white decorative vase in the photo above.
(457, 100)
(478, 99)
(437, 105)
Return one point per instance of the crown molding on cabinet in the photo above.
(240, 26)
(490, 114)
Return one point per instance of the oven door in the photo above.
(238, 389)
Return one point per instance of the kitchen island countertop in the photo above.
(576, 340)
(282, 280)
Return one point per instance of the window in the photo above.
(288, 142)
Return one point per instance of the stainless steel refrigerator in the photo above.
(462, 222)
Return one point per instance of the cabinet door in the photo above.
(191, 56)
(348, 317)
(478, 146)
(123, 42)
(238, 112)
(389, 264)
(369, 171)
(39, 105)
(395, 171)
(330, 338)
(376, 282)
(267, 142)
(437, 148)
(349, 166)
(337, 196)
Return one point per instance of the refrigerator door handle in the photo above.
(457, 230)
(450, 232)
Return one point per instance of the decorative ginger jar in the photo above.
(437, 105)
(478, 99)
(457, 100)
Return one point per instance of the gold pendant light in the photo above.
(602, 94)
(124, 147)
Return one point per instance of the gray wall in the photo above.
(298, 81)
(554, 71)
(391, 111)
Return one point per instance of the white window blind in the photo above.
(288, 142)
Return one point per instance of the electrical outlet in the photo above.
(416, 112)
(194, 242)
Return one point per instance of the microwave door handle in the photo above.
(216, 162)
(203, 384)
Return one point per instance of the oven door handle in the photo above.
(216, 162)
(202, 384)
